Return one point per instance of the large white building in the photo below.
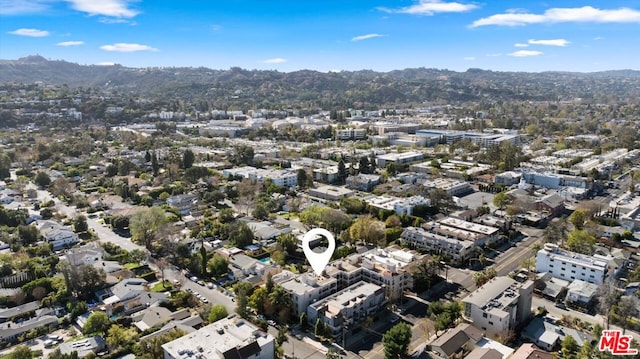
(389, 268)
(570, 266)
(283, 178)
(498, 306)
(479, 234)
(398, 158)
(224, 339)
(456, 249)
(451, 186)
(349, 307)
(397, 204)
(305, 288)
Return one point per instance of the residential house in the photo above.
(229, 338)
(242, 266)
(156, 316)
(84, 347)
(6, 314)
(56, 234)
(455, 342)
(129, 296)
(10, 331)
(548, 335)
(530, 351)
(184, 203)
(581, 293)
(551, 203)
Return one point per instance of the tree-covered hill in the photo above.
(348, 88)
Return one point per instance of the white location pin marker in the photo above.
(318, 260)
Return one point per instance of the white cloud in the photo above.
(30, 32)
(521, 45)
(469, 58)
(216, 27)
(115, 8)
(493, 55)
(598, 38)
(525, 53)
(125, 47)
(111, 20)
(430, 7)
(106, 63)
(277, 60)
(14, 7)
(558, 15)
(553, 42)
(365, 37)
(70, 43)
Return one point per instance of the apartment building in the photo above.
(398, 158)
(283, 178)
(458, 250)
(227, 338)
(569, 266)
(451, 186)
(387, 267)
(306, 288)
(351, 134)
(330, 193)
(479, 234)
(348, 308)
(499, 306)
(397, 204)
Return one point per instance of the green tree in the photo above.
(396, 341)
(80, 224)
(569, 346)
(579, 218)
(258, 300)
(5, 166)
(146, 224)
(302, 178)
(218, 265)
(21, 352)
(217, 312)
(98, 322)
(342, 172)
(154, 164)
(241, 235)
(152, 348)
(28, 234)
(42, 179)
(188, 158)
(501, 200)
(318, 328)
(118, 336)
(581, 241)
(368, 230)
(241, 303)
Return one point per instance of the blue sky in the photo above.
(327, 35)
